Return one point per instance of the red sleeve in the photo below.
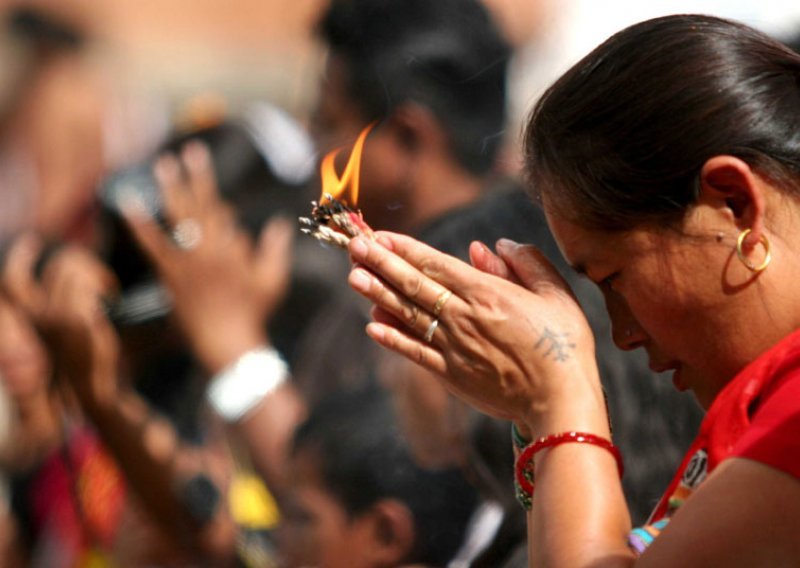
(773, 437)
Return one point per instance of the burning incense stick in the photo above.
(332, 220)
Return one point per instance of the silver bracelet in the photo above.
(239, 387)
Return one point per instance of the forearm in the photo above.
(578, 516)
(157, 467)
(254, 395)
(267, 432)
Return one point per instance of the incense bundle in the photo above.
(334, 222)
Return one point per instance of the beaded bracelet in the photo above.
(519, 441)
(523, 469)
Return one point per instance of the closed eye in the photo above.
(608, 281)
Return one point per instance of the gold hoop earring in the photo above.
(746, 261)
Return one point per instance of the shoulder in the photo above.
(744, 514)
(772, 436)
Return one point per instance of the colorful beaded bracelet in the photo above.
(519, 441)
(524, 471)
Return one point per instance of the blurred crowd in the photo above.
(185, 377)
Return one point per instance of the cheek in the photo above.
(671, 314)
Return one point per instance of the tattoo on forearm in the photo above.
(555, 344)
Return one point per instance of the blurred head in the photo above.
(357, 500)
(415, 66)
(650, 156)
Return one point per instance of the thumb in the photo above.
(485, 260)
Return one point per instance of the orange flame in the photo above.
(336, 186)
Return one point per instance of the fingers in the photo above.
(18, 277)
(188, 183)
(407, 346)
(200, 170)
(189, 193)
(147, 233)
(175, 194)
(486, 261)
(389, 301)
(422, 284)
(447, 270)
(529, 265)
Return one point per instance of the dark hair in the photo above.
(620, 139)
(444, 54)
(363, 459)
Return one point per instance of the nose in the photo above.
(625, 329)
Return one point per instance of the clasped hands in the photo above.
(510, 338)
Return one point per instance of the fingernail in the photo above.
(358, 248)
(360, 280)
(506, 245)
(376, 331)
(166, 169)
(196, 154)
(384, 242)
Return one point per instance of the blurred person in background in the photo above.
(356, 498)
(66, 494)
(182, 470)
(157, 503)
(63, 126)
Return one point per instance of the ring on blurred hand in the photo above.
(440, 302)
(187, 234)
(430, 331)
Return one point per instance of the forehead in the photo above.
(581, 247)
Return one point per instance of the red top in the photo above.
(756, 416)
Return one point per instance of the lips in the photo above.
(663, 367)
(670, 366)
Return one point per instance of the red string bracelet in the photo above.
(524, 471)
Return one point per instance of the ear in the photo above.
(392, 532)
(730, 185)
(416, 128)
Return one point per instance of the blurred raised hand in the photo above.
(67, 304)
(224, 286)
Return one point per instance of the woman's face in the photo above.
(666, 291)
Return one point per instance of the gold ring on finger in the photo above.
(440, 302)
(430, 331)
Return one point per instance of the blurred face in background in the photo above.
(316, 530)
(385, 168)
